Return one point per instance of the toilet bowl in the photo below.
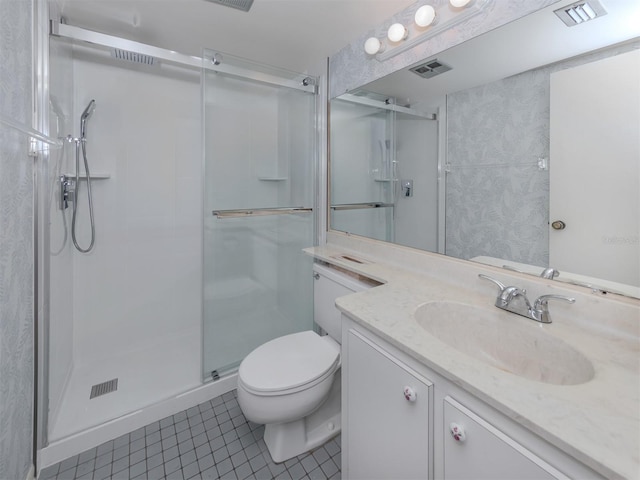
(292, 383)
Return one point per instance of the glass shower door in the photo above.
(259, 189)
(362, 168)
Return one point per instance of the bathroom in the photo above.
(166, 299)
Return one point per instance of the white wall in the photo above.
(141, 285)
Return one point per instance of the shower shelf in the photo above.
(94, 176)
(273, 179)
(384, 179)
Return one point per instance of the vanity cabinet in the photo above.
(445, 433)
(389, 415)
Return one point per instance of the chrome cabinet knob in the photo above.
(558, 225)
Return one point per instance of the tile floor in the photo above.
(211, 441)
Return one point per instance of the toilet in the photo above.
(292, 383)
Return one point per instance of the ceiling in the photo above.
(294, 34)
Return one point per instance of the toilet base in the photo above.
(290, 439)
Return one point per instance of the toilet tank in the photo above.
(328, 285)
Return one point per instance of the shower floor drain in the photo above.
(104, 388)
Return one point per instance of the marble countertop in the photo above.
(597, 422)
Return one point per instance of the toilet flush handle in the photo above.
(316, 275)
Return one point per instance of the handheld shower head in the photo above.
(85, 116)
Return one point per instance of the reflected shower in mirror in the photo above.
(501, 147)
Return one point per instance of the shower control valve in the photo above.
(67, 191)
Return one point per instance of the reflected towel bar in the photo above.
(256, 212)
(358, 206)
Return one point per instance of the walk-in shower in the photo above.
(171, 296)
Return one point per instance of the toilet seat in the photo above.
(289, 364)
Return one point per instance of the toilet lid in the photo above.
(288, 362)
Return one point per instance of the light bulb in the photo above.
(373, 46)
(459, 3)
(397, 32)
(425, 16)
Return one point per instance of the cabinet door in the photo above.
(387, 435)
(481, 451)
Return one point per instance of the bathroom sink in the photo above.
(506, 342)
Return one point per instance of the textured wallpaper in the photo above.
(16, 244)
(496, 197)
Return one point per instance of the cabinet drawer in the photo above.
(481, 451)
(388, 435)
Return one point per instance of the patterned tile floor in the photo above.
(211, 441)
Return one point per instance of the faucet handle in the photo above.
(543, 300)
(541, 306)
(500, 285)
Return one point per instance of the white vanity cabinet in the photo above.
(385, 436)
(389, 415)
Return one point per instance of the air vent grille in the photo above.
(580, 12)
(133, 57)
(430, 69)
(104, 388)
(243, 5)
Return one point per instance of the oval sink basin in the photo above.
(504, 341)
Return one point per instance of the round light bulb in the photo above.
(373, 46)
(425, 16)
(460, 3)
(397, 32)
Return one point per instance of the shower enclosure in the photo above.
(169, 293)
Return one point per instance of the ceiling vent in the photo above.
(580, 12)
(430, 69)
(243, 5)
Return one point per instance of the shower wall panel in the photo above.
(141, 285)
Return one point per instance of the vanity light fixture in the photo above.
(460, 3)
(427, 23)
(397, 32)
(425, 16)
(373, 46)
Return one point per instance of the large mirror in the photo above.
(519, 148)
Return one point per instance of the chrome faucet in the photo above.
(507, 300)
(549, 272)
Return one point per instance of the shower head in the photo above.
(85, 116)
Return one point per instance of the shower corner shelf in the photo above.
(273, 179)
(94, 176)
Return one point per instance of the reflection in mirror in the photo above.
(384, 171)
(523, 127)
